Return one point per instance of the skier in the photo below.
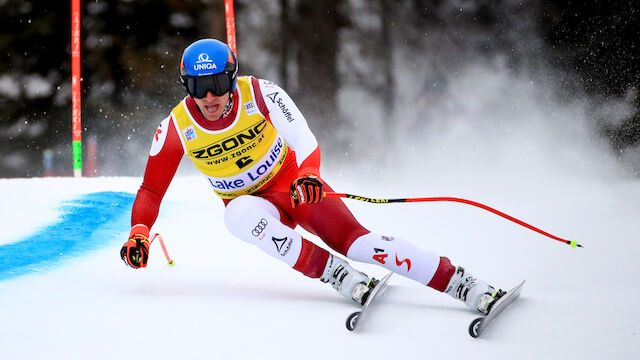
(257, 152)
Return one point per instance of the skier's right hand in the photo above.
(135, 252)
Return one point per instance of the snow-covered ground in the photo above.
(224, 299)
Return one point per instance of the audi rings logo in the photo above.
(204, 57)
(260, 227)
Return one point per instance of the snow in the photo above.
(36, 86)
(9, 87)
(225, 299)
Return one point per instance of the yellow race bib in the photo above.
(239, 159)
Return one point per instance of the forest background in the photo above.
(366, 74)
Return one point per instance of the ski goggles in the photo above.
(199, 86)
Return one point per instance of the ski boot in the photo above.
(348, 281)
(475, 293)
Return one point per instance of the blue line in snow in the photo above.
(86, 224)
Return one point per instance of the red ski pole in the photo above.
(573, 243)
(164, 248)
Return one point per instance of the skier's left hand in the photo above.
(306, 189)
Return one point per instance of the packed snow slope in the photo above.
(225, 299)
(66, 294)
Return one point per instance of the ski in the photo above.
(356, 317)
(478, 325)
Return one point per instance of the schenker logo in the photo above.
(204, 63)
(230, 143)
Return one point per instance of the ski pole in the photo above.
(573, 243)
(164, 248)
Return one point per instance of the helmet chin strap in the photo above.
(228, 107)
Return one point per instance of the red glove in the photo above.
(306, 189)
(135, 251)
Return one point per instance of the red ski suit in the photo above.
(330, 219)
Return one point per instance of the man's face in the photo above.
(212, 106)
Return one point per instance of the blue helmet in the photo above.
(208, 65)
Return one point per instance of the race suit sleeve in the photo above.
(164, 158)
(279, 108)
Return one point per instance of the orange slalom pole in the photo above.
(230, 22)
(573, 243)
(164, 248)
(76, 95)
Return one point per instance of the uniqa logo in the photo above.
(204, 57)
(204, 63)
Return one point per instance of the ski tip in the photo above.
(352, 321)
(474, 327)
